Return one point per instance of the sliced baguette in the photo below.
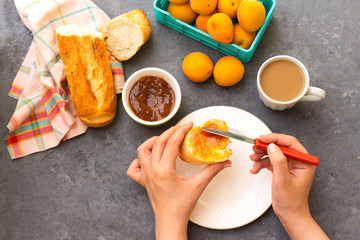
(87, 68)
(125, 34)
(199, 148)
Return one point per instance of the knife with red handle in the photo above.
(288, 152)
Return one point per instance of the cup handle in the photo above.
(313, 94)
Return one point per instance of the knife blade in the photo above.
(288, 152)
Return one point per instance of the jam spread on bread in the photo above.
(200, 147)
(205, 143)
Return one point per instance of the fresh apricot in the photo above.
(178, 1)
(228, 71)
(183, 12)
(243, 38)
(201, 21)
(221, 28)
(251, 15)
(203, 7)
(229, 7)
(197, 67)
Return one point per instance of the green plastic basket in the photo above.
(244, 55)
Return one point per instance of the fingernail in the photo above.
(227, 165)
(252, 155)
(272, 148)
(252, 169)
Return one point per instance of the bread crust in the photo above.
(190, 147)
(138, 16)
(117, 42)
(89, 76)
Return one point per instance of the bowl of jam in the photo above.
(151, 96)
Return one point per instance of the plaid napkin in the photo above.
(45, 113)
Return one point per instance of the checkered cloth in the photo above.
(45, 113)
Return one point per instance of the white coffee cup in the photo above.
(308, 94)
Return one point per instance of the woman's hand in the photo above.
(172, 197)
(291, 179)
(291, 185)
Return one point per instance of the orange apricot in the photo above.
(201, 21)
(197, 67)
(243, 38)
(178, 1)
(228, 71)
(251, 15)
(229, 7)
(183, 12)
(221, 28)
(203, 7)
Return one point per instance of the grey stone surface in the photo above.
(79, 190)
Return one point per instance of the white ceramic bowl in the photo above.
(157, 72)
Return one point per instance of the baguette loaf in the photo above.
(88, 72)
(200, 148)
(125, 34)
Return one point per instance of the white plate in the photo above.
(235, 197)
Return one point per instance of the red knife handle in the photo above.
(291, 153)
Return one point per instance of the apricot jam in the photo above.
(205, 143)
(151, 98)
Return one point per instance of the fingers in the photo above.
(160, 144)
(172, 147)
(258, 150)
(134, 171)
(209, 172)
(261, 164)
(144, 151)
(283, 140)
(279, 162)
(257, 156)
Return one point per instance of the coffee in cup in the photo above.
(283, 81)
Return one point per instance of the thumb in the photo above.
(278, 161)
(209, 172)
